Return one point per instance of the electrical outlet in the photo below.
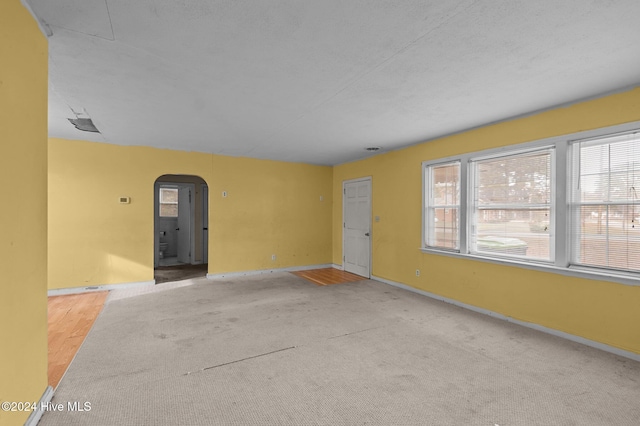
(224, 194)
(273, 257)
(417, 272)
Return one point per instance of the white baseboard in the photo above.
(336, 266)
(35, 415)
(89, 289)
(267, 271)
(604, 347)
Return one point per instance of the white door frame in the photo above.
(344, 210)
(156, 215)
(204, 190)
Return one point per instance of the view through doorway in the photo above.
(180, 227)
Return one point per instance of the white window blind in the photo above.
(443, 205)
(606, 208)
(512, 206)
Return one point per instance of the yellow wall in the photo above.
(272, 208)
(23, 246)
(601, 311)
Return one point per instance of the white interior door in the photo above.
(184, 224)
(357, 227)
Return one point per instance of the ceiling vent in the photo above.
(373, 148)
(83, 120)
(84, 124)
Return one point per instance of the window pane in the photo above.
(609, 237)
(445, 228)
(514, 233)
(622, 184)
(446, 184)
(168, 210)
(607, 208)
(443, 203)
(168, 195)
(522, 179)
(512, 206)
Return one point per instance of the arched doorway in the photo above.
(181, 210)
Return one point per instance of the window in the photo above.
(168, 202)
(511, 206)
(569, 204)
(443, 204)
(606, 209)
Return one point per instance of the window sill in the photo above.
(629, 278)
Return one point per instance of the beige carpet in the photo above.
(278, 350)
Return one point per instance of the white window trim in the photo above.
(425, 214)
(472, 165)
(576, 205)
(562, 168)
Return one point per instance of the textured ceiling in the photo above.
(319, 81)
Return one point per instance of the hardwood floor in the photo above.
(163, 274)
(328, 276)
(70, 318)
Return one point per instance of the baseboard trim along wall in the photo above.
(35, 415)
(597, 345)
(89, 289)
(267, 271)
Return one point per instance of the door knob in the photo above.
(366, 235)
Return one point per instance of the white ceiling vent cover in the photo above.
(84, 124)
